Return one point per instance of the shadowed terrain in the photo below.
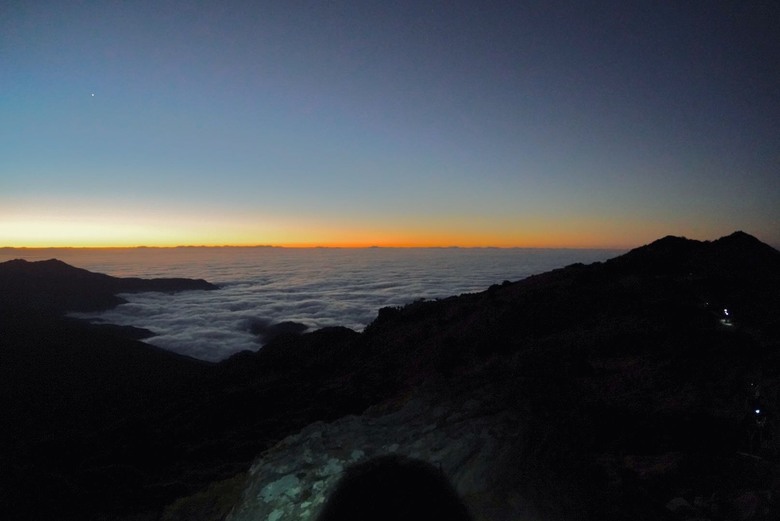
(634, 381)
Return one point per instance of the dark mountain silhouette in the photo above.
(733, 256)
(635, 387)
(54, 286)
(69, 390)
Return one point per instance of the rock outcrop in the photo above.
(471, 438)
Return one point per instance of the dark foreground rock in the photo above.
(80, 402)
(619, 390)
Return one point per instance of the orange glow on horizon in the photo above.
(158, 231)
(305, 245)
(248, 231)
(377, 241)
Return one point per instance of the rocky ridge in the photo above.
(619, 390)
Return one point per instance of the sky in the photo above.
(548, 123)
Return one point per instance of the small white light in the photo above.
(726, 312)
(758, 411)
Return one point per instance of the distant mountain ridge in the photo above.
(55, 286)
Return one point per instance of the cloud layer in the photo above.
(314, 288)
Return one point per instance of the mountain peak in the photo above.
(743, 240)
(669, 255)
(42, 268)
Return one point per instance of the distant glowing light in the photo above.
(726, 312)
(758, 411)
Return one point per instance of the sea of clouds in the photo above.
(318, 287)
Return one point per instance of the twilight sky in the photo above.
(526, 123)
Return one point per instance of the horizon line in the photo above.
(315, 246)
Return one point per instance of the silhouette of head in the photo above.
(390, 488)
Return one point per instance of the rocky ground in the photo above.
(469, 436)
(619, 390)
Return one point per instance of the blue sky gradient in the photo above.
(595, 123)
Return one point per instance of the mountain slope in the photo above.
(632, 389)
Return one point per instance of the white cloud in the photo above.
(337, 290)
